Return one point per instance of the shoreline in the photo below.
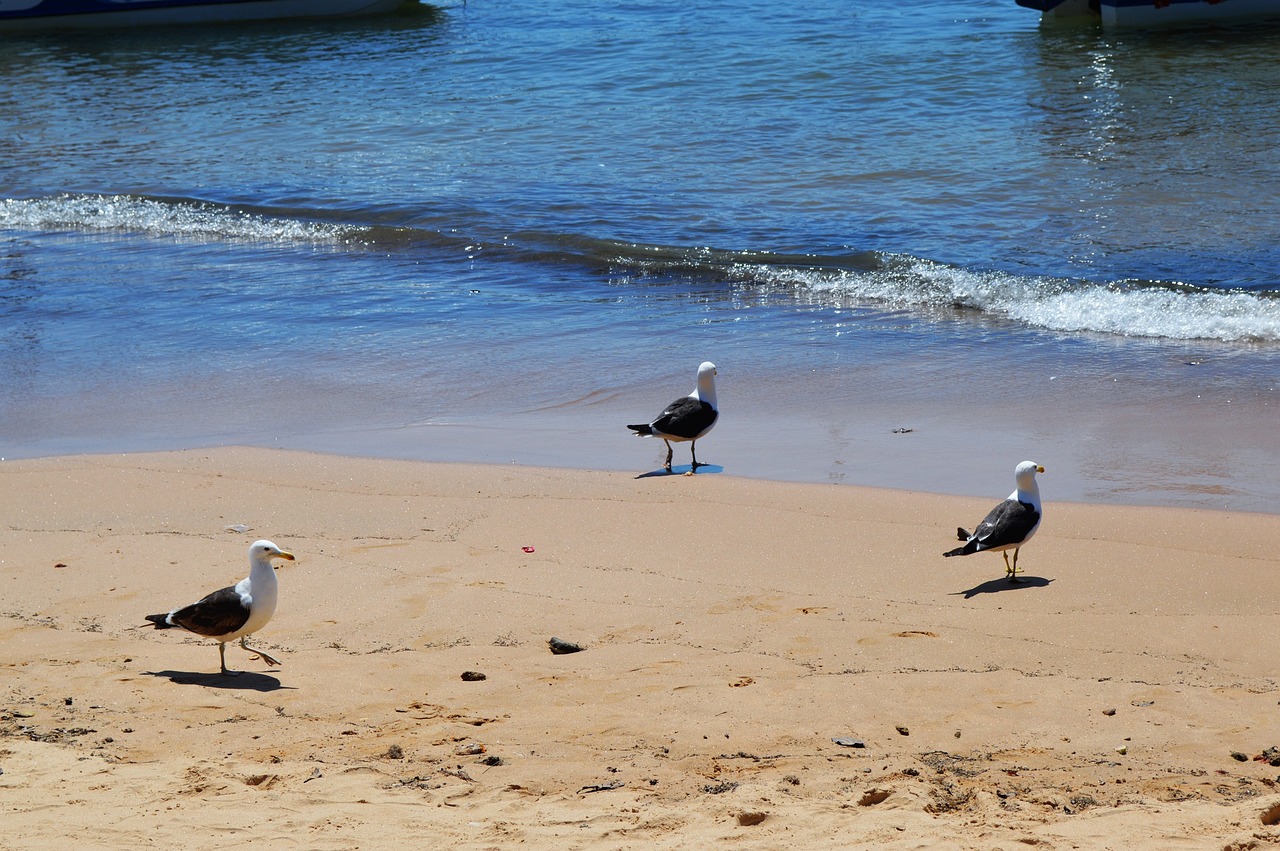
(1109, 433)
(734, 630)
(1116, 461)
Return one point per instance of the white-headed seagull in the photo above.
(687, 418)
(1010, 524)
(236, 611)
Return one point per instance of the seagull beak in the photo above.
(289, 556)
(1038, 470)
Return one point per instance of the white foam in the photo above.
(1153, 312)
(1128, 309)
(134, 214)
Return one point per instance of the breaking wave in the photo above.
(1127, 308)
(158, 217)
(1154, 309)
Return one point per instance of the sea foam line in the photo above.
(160, 218)
(1132, 309)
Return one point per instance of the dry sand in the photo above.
(733, 629)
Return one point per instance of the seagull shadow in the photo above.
(995, 586)
(703, 469)
(244, 681)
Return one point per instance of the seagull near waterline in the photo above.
(237, 611)
(687, 418)
(1010, 524)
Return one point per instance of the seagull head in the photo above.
(707, 375)
(706, 389)
(265, 551)
(1025, 473)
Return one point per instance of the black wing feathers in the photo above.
(217, 614)
(1006, 524)
(686, 417)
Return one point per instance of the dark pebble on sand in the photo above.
(559, 646)
(473, 676)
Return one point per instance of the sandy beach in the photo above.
(765, 665)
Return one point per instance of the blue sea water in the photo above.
(922, 241)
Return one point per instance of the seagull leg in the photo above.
(1011, 573)
(266, 657)
(667, 466)
(693, 453)
(222, 659)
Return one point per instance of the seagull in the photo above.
(236, 611)
(687, 418)
(1010, 524)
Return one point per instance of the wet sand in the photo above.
(734, 630)
(1143, 428)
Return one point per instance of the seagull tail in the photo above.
(968, 549)
(962, 534)
(161, 621)
(642, 430)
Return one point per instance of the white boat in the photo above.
(1156, 13)
(82, 14)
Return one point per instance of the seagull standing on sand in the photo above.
(236, 611)
(1010, 524)
(687, 418)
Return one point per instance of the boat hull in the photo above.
(1156, 13)
(94, 14)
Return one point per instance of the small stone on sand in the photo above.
(559, 646)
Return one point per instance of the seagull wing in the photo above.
(686, 417)
(1007, 524)
(219, 613)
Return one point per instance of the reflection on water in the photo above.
(1162, 141)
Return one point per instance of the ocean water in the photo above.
(922, 241)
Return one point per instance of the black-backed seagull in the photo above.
(687, 418)
(1010, 524)
(236, 611)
